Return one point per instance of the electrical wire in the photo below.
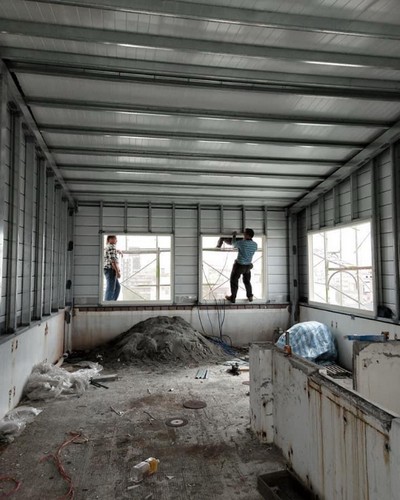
(14, 490)
(70, 495)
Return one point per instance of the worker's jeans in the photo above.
(237, 271)
(112, 284)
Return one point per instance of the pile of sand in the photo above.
(161, 339)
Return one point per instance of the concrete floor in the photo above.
(214, 456)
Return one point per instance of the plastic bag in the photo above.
(48, 381)
(15, 422)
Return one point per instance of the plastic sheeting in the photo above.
(15, 422)
(311, 340)
(48, 381)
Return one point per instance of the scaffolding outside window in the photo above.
(145, 267)
(340, 267)
(216, 266)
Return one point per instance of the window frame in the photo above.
(337, 307)
(158, 301)
(263, 252)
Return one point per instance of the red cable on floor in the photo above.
(16, 487)
(60, 467)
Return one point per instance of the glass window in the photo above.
(340, 267)
(145, 266)
(216, 266)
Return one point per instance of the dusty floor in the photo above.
(214, 456)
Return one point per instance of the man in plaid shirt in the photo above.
(111, 269)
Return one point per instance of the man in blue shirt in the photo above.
(242, 266)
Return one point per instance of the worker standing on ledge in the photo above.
(112, 270)
(242, 266)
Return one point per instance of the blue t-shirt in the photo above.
(246, 250)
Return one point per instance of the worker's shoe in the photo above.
(230, 299)
(250, 299)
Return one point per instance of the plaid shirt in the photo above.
(110, 255)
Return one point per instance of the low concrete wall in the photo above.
(91, 328)
(377, 372)
(20, 352)
(340, 445)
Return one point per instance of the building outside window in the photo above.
(146, 268)
(216, 266)
(340, 267)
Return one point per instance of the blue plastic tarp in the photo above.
(311, 340)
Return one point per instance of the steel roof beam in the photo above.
(168, 170)
(199, 113)
(129, 39)
(193, 136)
(209, 83)
(186, 184)
(255, 199)
(125, 66)
(241, 16)
(146, 153)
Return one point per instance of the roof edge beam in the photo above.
(367, 154)
(144, 40)
(36, 133)
(241, 16)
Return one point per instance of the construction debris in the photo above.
(161, 339)
(202, 373)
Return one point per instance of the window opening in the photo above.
(145, 267)
(216, 266)
(340, 269)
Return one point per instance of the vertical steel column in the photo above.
(173, 247)
(354, 196)
(308, 218)
(150, 218)
(13, 229)
(265, 255)
(101, 210)
(321, 211)
(395, 170)
(265, 228)
(40, 237)
(30, 168)
(49, 242)
(70, 258)
(294, 269)
(55, 296)
(336, 206)
(125, 217)
(221, 220)
(243, 218)
(376, 228)
(199, 253)
(4, 118)
(63, 252)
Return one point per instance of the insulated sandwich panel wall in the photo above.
(341, 203)
(187, 223)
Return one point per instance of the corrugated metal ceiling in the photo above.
(206, 102)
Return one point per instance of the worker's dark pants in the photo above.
(237, 271)
(112, 284)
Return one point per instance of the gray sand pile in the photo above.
(162, 339)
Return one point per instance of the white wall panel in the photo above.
(18, 355)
